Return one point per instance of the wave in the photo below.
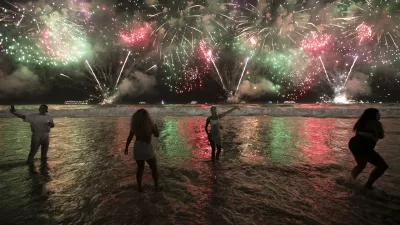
(295, 110)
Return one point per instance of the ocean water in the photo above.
(273, 170)
(300, 110)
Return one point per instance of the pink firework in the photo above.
(197, 68)
(364, 32)
(192, 79)
(137, 37)
(253, 42)
(50, 44)
(316, 42)
(203, 56)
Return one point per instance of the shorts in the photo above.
(361, 146)
(143, 151)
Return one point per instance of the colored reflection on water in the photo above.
(321, 138)
(195, 137)
(316, 135)
(248, 137)
(173, 144)
(282, 137)
(196, 142)
(272, 169)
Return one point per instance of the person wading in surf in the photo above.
(368, 131)
(41, 124)
(214, 135)
(143, 127)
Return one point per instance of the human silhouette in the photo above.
(214, 135)
(143, 127)
(368, 131)
(41, 123)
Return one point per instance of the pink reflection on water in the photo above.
(317, 134)
(248, 137)
(117, 145)
(192, 130)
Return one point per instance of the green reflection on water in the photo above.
(15, 137)
(283, 138)
(20, 186)
(170, 106)
(172, 143)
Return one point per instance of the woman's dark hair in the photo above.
(142, 123)
(368, 115)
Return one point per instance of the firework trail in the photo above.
(95, 77)
(229, 72)
(102, 82)
(241, 76)
(337, 80)
(122, 69)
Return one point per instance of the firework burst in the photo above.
(180, 24)
(180, 31)
(31, 17)
(138, 37)
(293, 71)
(374, 27)
(47, 32)
(316, 43)
(270, 26)
(59, 43)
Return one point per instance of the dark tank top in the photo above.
(362, 143)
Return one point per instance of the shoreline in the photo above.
(284, 110)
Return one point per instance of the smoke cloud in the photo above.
(358, 85)
(256, 89)
(21, 82)
(136, 84)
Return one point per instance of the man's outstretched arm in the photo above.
(14, 112)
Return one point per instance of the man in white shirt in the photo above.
(40, 126)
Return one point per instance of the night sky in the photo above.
(383, 81)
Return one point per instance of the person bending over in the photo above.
(368, 131)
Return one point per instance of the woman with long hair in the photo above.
(368, 131)
(143, 127)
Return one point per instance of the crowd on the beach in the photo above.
(368, 131)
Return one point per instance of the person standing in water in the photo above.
(143, 127)
(368, 131)
(214, 135)
(41, 124)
